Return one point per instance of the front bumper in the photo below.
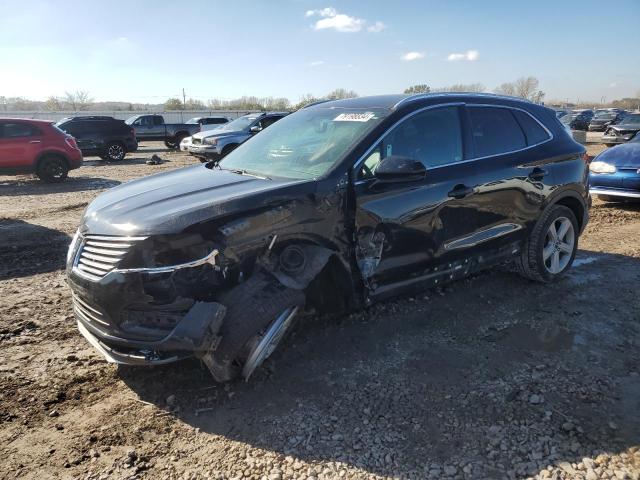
(205, 151)
(615, 192)
(617, 138)
(145, 315)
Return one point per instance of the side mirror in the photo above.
(255, 129)
(396, 168)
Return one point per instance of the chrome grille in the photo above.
(100, 254)
(88, 313)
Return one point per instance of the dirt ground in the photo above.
(490, 377)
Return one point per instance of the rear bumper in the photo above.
(75, 159)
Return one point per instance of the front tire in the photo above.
(260, 312)
(551, 248)
(52, 169)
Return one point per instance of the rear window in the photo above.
(495, 131)
(532, 129)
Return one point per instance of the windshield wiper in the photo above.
(241, 171)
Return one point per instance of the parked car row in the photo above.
(592, 120)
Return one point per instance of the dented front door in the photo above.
(405, 231)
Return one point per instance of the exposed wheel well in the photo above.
(45, 155)
(575, 206)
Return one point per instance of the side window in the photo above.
(17, 130)
(533, 131)
(269, 121)
(495, 131)
(157, 121)
(432, 137)
(370, 164)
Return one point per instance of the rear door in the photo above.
(20, 143)
(514, 175)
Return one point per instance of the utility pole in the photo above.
(184, 100)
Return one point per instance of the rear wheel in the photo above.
(170, 145)
(115, 151)
(260, 312)
(551, 247)
(52, 169)
(179, 139)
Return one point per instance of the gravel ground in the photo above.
(490, 377)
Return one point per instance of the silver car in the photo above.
(215, 144)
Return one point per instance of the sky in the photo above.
(149, 50)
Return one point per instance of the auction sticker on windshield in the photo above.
(354, 117)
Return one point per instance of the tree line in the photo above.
(81, 100)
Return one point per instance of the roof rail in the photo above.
(419, 96)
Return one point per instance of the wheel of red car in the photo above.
(52, 169)
(551, 247)
(260, 312)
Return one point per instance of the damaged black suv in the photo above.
(334, 207)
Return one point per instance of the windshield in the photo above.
(239, 123)
(193, 121)
(605, 116)
(305, 144)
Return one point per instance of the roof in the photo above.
(32, 120)
(393, 102)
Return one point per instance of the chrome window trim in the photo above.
(357, 164)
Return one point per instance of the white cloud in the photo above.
(376, 27)
(317, 63)
(410, 56)
(469, 55)
(331, 19)
(613, 84)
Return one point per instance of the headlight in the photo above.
(602, 167)
(210, 141)
(72, 247)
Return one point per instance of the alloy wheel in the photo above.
(559, 245)
(115, 152)
(269, 341)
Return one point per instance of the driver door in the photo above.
(405, 230)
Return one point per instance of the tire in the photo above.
(538, 258)
(170, 145)
(115, 151)
(179, 139)
(228, 149)
(253, 307)
(52, 169)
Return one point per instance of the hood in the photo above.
(171, 201)
(626, 126)
(217, 132)
(625, 155)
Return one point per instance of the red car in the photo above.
(37, 146)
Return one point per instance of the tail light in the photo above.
(132, 130)
(586, 158)
(71, 141)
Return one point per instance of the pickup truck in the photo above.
(153, 127)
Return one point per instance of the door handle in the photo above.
(537, 174)
(35, 141)
(461, 191)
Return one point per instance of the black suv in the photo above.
(106, 137)
(336, 206)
